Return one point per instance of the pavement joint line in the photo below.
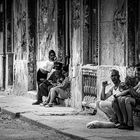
(37, 123)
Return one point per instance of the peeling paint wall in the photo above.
(1, 50)
(24, 46)
(21, 78)
(32, 44)
(1, 72)
(20, 47)
(47, 29)
(113, 32)
(76, 88)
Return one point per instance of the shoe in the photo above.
(130, 127)
(126, 127)
(36, 103)
(117, 125)
(43, 104)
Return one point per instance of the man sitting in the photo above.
(105, 104)
(50, 82)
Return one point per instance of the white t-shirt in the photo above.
(114, 91)
(46, 65)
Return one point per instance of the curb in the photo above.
(26, 119)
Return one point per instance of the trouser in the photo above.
(40, 76)
(43, 90)
(116, 107)
(106, 107)
(126, 106)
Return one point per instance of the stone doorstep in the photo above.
(33, 93)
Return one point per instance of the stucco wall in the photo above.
(76, 87)
(112, 32)
(75, 60)
(47, 29)
(1, 59)
(1, 71)
(20, 47)
(21, 78)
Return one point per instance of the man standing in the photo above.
(105, 104)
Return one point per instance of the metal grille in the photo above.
(89, 80)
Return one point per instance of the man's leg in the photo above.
(116, 108)
(51, 97)
(56, 92)
(42, 91)
(106, 107)
(121, 103)
(129, 102)
(39, 97)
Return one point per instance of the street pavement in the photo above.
(66, 120)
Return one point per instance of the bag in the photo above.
(100, 124)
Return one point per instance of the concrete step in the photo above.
(31, 94)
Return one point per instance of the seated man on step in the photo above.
(44, 88)
(105, 104)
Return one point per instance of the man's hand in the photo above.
(138, 84)
(104, 84)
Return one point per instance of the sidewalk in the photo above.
(66, 120)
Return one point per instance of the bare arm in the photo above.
(137, 86)
(125, 92)
(103, 94)
(65, 83)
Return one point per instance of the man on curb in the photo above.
(105, 104)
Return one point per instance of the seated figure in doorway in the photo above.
(62, 90)
(46, 85)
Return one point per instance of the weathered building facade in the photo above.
(92, 36)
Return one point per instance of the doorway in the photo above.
(64, 33)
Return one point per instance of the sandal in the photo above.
(49, 105)
(43, 104)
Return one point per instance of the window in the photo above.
(90, 32)
(133, 33)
